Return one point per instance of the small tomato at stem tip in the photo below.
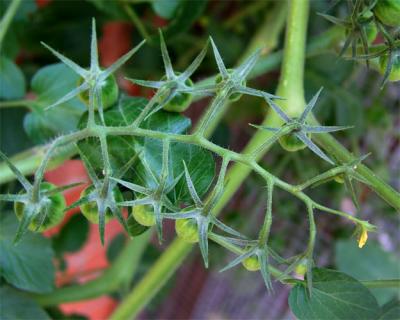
(144, 215)
(301, 268)
(90, 210)
(109, 92)
(394, 74)
(339, 178)
(181, 101)
(235, 96)
(388, 12)
(291, 143)
(187, 230)
(251, 263)
(55, 212)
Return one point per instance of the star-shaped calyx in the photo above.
(233, 81)
(37, 204)
(297, 128)
(155, 195)
(104, 193)
(344, 173)
(359, 27)
(174, 84)
(200, 214)
(94, 78)
(230, 84)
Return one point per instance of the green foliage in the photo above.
(360, 265)
(334, 295)
(16, 305)
(12, 80)
(29, 264)
(72, 235)
(49, 83)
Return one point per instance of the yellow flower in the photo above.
(362, 240)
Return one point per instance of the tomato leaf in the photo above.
(390, 311)
(165, 9)
(335, 295)
(357, 263)
(27, 265)
(185, 15)
(72, 236)
(49, 84)
(12, 80)
(200, 162)
(135, 228)
(16, 305)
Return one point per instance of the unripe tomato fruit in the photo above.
(339, 178)
(395, 72)
(301, 268)
(55, 213)
(233, 97)
(372, 31)
(388, 11)
(109, 92)
(251, 263)
(291, 143)
(181, 101)
(90, 211)
(187, 230)
(144, 215)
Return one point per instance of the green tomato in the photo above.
(181, 101)
(144, 215)
(251, 263)
(291, 143)
(56, 210)
(233, 97)
(372, 31)
(388, 11)
(339, 178)
(395, 72)
(301, 268)
(109, 92)
(90, 210)
(187, 230)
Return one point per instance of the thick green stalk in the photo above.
(7, 18)
(121, 272)
(175, 254)
(29, 161)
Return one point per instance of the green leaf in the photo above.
(49, 84)
(115, 246)
(72, 236)
(390, 311)
(12, 81)
(165, 8)
(15, 305)
(27, 265)
(186, 14)
(135, 228)
(111, 8)
(358, 263)
(335, 295)
(200, 162)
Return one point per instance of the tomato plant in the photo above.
(180, 156)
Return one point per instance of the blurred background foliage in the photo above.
(351, 97)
